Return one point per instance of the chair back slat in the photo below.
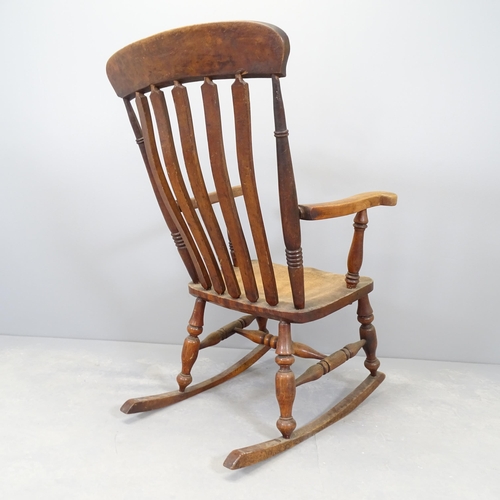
(179, 187)
(289, 205)
(204, 53)
(223, 187)
(244, 151)
(178, 240)
(163, 189)
(198, 186)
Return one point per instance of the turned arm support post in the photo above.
(355, 258)
(357, 204)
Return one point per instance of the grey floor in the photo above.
(431, 431)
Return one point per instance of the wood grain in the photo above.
(176, 235)
(224, 190)
(325, 292)
(347, 206)
(244, 150)
(155, 171)
(218, 50)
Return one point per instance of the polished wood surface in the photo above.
(347, 206)
(218, 50)
(329, 363)
(229, 261)
(355, 257)
(325, 292)
(242, 117)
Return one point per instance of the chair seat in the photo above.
(325, 293)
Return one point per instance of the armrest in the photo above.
(347, 206)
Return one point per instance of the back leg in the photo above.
(367, 332)
(262, 322)
(191, 345)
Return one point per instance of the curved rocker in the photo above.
(147, 403)
(250, 455)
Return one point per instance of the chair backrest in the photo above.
(204, 53)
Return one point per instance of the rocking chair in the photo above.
(224, 272)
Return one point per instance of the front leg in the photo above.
(285, 380)
(367, 332)
(191, 345)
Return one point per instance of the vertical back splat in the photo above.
(176, 236)
(242, 120)
(198, 186)
(223, 187)
(179, 187)
(168, 201)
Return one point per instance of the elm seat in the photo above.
(325, 293)
(229, 264)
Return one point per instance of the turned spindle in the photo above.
(226, 331)
(355, 258)
(285, 380)
(265, 338)
(329, 363)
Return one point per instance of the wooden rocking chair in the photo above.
(223, 272)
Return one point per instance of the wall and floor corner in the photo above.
(412, 107)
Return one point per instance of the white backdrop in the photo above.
(392, 95)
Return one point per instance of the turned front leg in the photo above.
(367, 332)
(285, 380)
(191, 345)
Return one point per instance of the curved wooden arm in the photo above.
(347, 206)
